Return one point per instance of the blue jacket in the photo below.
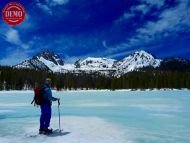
(48, 94)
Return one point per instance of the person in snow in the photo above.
(46, 108)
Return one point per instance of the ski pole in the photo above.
(59, 112)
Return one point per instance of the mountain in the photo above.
(33, 63)
(49, 61)
(46, 61)
(133, 62)
(91, 63)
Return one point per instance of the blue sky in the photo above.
(98, 28)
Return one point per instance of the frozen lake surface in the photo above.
(100, 117)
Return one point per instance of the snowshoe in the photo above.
(45, 131)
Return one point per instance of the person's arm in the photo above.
(49, 95)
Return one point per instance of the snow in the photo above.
(92, 63)
(12, 92)
(24, 64)
(52, 66)
(69, 67)
(5, 111)
(100, 117)
(105, 66)
(76, 130)
(136, 61)
(15, 91)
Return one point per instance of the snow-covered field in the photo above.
(100, 117)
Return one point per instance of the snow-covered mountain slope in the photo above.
(135, 61)
(33, 63)
(91, 63)
(49, 61)
(44, 61)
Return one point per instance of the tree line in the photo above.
(19, 79)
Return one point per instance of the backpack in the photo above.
(38, 95)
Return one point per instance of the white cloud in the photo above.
(128, 15)
(104, 43)
(60, 2)
(144, 8)
(45, 8)
(141, 8)
(124, 17)
(122, 54)
(171, 21)
(57, 2)
(12, 36)
(157, 3)
(25, 46)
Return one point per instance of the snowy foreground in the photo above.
(100, 117)
(76, 130)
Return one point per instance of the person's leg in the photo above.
(42, 117)
(47, 116)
